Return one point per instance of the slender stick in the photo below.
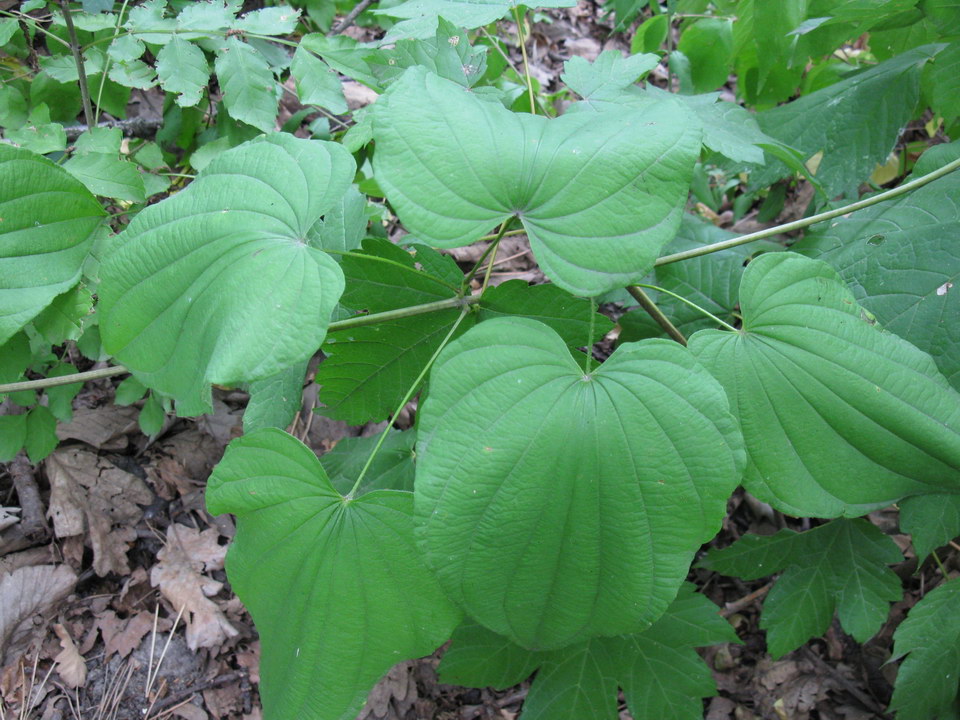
(349, 19)
(406, 398)
(813, 219)
(526, 60)
(63, 379)
(81, 73)
(656, 313)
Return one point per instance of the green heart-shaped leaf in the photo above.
(554, 505)
(599, 193)
(47, 219)
(838, 416)
(336, 587)
(218, 284)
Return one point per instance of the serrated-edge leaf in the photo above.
(249, 87)
(183, 69)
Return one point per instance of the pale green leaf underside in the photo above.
(419, 17)
(599, 193)
(217, 284)
(838, 416)
(556, 506)
(926, 684)
(47, 219)
(336, 588)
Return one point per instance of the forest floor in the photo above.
(115, 539)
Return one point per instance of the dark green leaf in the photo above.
(854, 123)
(926, 684)
(41, 434)
(931, 520)
(183, 69)
(899, 259)
(391, 469)
(275, 400)
(567, 315)
(840, 566)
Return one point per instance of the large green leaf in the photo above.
(661, 675)
(47, 220)
(926, 686)
(838, 416)
(599, 193)
(854, 123)
(216, 284)
(335, 586)
(183, 69)
(840, 566)
(556, 505)
(901, 262)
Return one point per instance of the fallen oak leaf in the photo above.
(71, 667)
(187, 554)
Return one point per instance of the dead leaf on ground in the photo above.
(88, 494)
(187, 554)
(71, 667)
(105, 428)
(123, 635)
(8, 517)
(24, 593)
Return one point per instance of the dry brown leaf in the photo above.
(123, 636)
(357, 95)
(71, 667)
(26, 592)
(89, 495)
(104, 428)
(8, 517)
(190, 712)
(179, 575)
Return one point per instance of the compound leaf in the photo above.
(840, 566)
(608, 76)
(548, 499)
(932, 521)
(599, 193)
(418, 18)
(660, 673)
(182, 69)
(48, 221)
(217, 284)
(335, 586)
(898, 259)
(249, 87)
(926, 684)
(838, 416)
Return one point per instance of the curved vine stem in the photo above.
(526, 60)
(813, 219)
(358, 321)
(682, 299)
(656, 313)
(406, 398)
